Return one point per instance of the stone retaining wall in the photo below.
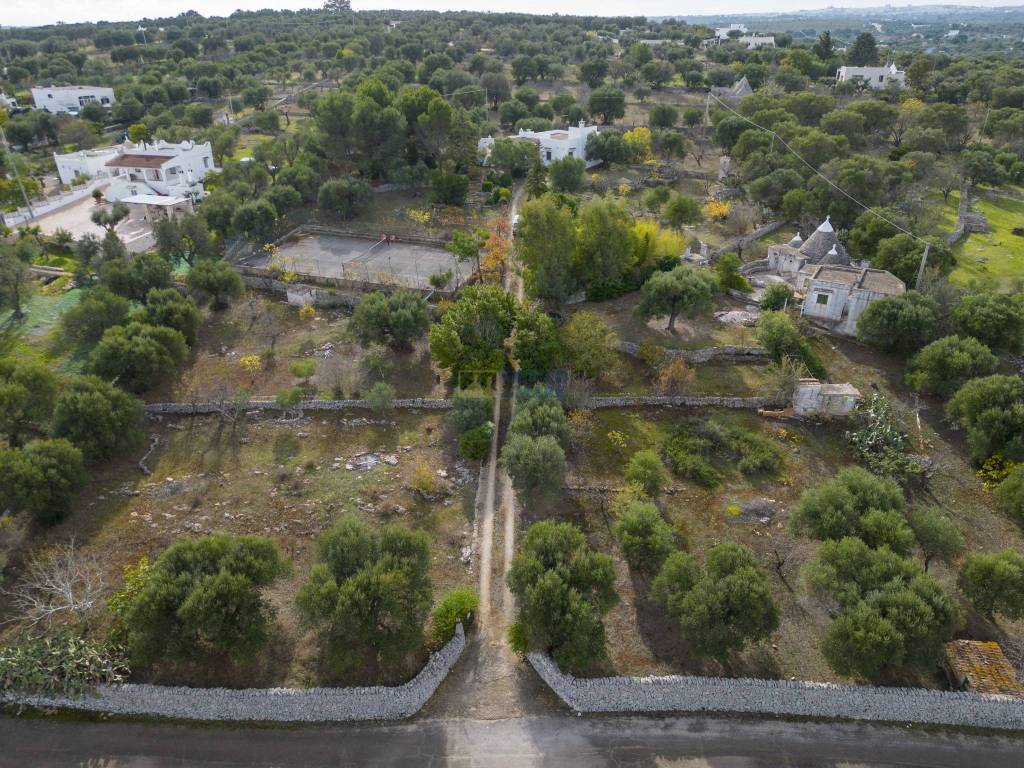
(306, 405)
(738, 243)
(675, 693)
(724, 354)
(310, 705)
(688, 401)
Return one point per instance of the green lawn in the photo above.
(997, 257)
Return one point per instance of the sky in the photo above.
(32, 12)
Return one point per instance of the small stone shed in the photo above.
(814, 398)
(980, 667)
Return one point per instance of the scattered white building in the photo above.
(158, 168)
(152, 208)
(822, 247)
(831, 290)
(837, 295)
(8, 102)
(71, 98)
(876, 78)
(723, 33)
(553, 145)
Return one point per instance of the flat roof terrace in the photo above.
(364, 259)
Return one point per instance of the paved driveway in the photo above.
(75, 218)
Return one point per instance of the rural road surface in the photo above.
(556, 740)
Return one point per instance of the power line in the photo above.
(814, 170)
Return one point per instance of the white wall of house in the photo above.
(86, 162)
(876, 78)
(181, 174)
(562, 143)
(71, 98)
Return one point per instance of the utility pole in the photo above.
(920, 269)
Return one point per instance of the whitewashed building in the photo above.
(71, 98)
(876, 78)
(160, 168)
(553, 145)
(8, 102)
(837, 295)
(157, 168)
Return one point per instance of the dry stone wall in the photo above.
(780, 697)
(309, 705)
(189, 409)
(687, 401)
(724, 354)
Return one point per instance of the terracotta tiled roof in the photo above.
(138, 161)
(984, 667)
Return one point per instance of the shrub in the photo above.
(169, 308)
(98, 310)
(61, 666)
(567, 174)
(138, 356)
(881, 444)
(97, 417)
(475, 443)
(540, 413)
(345, 196)
(217, 281)
(995, 319)
(449, 188)
(720, 607)
(945, 365)
(590, 345)
(644, 537)
(777, 333)
(992, 410)
(1010, 493)
(894, 616)
(563, 588)
(369, 592)
(776, 296)
(202, 598)
(457, 605)
(471, 407)
(899, 323)
(536, 464)
(398, 320)
(673, 377)
(936, 534)
(381, 397)
(42, 479)
(855, 503)
(645, 470)
(994, 582)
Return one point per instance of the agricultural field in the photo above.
(288, 480)
(996, 257)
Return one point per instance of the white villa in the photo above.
(875, 78)
(8, 102)
(159, 168)
(740, 34)
(553, 145)
(71, 98)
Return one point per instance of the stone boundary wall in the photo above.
(675, 693)
(745, 240)
(754, 267)
(687, 401)
(724, 354)
(306, 405)
(289, 705)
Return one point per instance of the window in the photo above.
(881, 78)
(547, 155)
(572, 152)
(821, 298)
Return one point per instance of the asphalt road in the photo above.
(559, 740)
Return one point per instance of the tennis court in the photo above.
(354, 258)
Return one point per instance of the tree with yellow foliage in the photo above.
(639, 142)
